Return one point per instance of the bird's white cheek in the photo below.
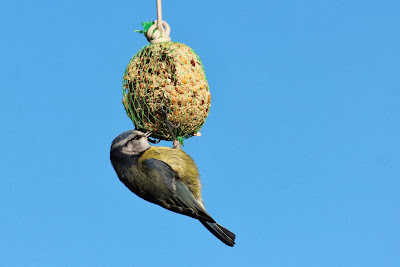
(128, 149)
(144, 144)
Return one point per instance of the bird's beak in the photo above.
(147, 134)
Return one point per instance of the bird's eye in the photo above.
(137, 137)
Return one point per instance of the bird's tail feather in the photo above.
(220, 232)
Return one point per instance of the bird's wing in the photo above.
(178, 199)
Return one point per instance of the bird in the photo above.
(164, 176)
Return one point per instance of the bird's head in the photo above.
(131, 142)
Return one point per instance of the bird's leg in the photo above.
(153, 141)
(175, 142)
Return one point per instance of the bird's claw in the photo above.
(153, 141)
(170, 126)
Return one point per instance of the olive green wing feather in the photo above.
(172, 193)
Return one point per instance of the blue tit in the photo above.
(164, 176)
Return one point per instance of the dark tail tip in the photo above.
(223, 234)
(227, 232)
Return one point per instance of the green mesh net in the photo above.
(166, 79)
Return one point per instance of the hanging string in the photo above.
(159, 15)
(160, 30)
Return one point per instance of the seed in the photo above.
(193, 63)
(173, 100)
(183, 80)
(180, 90)
(162, 83)
(183, 60)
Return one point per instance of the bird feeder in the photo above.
(166, 80)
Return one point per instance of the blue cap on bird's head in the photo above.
(126, 134)
(121, 137)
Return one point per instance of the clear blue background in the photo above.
(299, 157)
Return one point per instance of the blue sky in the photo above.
(299, 156)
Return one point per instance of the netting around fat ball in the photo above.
(166, 77)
